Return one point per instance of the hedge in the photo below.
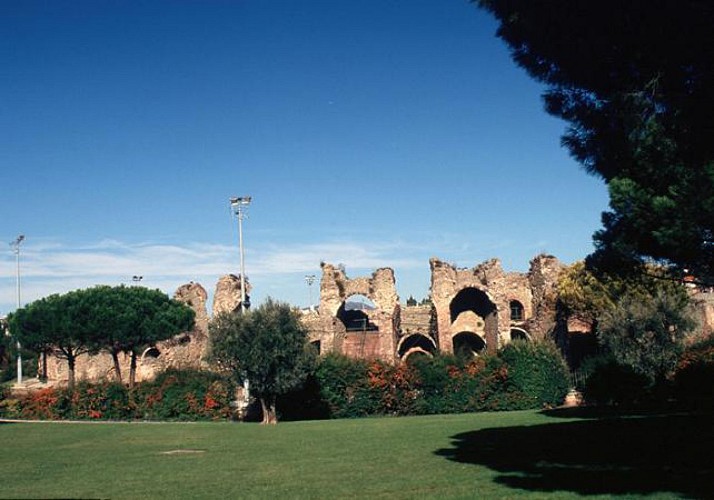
(520, 376)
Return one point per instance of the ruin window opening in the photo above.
(354, 314)
(315, 344)
(472, 299)
(516, 311)
(150, 354)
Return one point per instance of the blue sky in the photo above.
(372, 133)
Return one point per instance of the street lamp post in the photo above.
(310, 279)
(238, 205)
(16, 250)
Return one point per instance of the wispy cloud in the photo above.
(56, 267)
(53, 267)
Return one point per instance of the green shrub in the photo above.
(439, 383)
(537, 371)
(442, 384)
(394, 387)
(186, 395)
(344, 387)
(305, 403)
(694, 377)
(104, 400)
(608, 382)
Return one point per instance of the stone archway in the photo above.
(471, 310)
(467, 344)
(519, 334)
(413, 343)
(150, 354)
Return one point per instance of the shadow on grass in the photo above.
(636, 455)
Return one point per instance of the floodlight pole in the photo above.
(16, 250)
(310, 279)
(238, 205)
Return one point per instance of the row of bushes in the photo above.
(522, 375)
(604, 381)
(173, 395)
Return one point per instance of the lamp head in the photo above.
(241, 200)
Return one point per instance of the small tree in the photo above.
(268, 346)
(646, 334)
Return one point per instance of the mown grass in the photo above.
(491, 455)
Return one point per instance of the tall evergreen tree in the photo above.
(635, 82)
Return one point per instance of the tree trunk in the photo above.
(270, 416)
(70, 370)
(43, 375)
(117, 368)
(132, 370)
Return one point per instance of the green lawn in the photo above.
(493, 455)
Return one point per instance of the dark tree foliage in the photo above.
(641, 320)
(116, 319)
(51, 324)
(635, 82)
(268, 346)
(132, 319)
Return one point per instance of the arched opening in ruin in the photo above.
(315, 344)
(150, 354)
(184, 339)
(416, 342)
(415, 354)
(354, 314)
(474, 303)
(519, 334)
(517, 311)
(467, 345)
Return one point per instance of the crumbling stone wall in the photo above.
(417, 319)
(488, 283)
(432, 328)
(228, 294)
(329, 330)
(543, 275)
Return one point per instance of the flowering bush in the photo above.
(174, 395)
(187, 395)
(444, 384)
(344, 387)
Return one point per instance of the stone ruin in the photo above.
(470, 310)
